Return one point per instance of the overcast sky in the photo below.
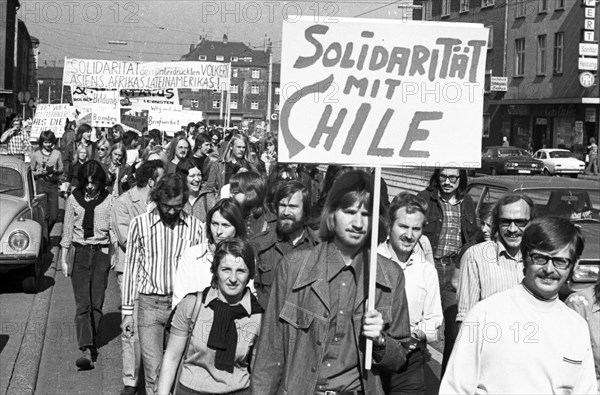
(164, 30)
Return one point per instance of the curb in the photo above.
(24, 376)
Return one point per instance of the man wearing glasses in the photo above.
(155, 242)
(525, 340)
(452, 228)
(493, 266)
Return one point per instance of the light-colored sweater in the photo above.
(513, 343)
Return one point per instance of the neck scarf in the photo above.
(223, 335)
(88, 206)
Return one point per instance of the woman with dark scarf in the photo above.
(231, 316)
(86, 232)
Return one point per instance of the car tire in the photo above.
(31, 283)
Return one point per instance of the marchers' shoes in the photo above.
(84, 362)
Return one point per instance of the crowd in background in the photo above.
(206, 219)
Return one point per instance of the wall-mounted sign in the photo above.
(587, 79)
(499, 84)
(586, 49)
(588, 64)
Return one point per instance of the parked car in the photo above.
(559, 161)
(23, 229)
(509, 160)
(578, 200)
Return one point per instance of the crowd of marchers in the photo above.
(242, 275)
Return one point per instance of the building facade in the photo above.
(249, 97)
(533, 93)
(18, 63)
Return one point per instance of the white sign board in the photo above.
(588, 64)
(587, 79)
(50, 117)
(498, 84)
(117, 74)
(103, 104)
(168, 121)
(143, 99)
(134, 122)
(586, 49)
(382, 92)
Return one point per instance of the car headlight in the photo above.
(18, 240)
(586, 273)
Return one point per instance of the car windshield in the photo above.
(575, 204)
(11, 182)
(512, 152)
(560, 154)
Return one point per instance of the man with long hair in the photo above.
(313, 333)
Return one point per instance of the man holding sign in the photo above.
(314, 329)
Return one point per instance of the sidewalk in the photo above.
(58, 373)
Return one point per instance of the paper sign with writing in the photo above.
(142, 99)
(117, 74)
(136, 122)
(382, 92)
(50, 117)
(168, 121)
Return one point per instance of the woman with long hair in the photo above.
(47, 166)
(200, 200)
(83, 138)
(586, 302)
(269, 153)
(231, 317)
(118, 173)
(86, 230)
(179, 149)
(102, 156)
(250, 190)
(224, 221)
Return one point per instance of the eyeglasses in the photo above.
(452, 179)
(168, 207)
(102, 149)
(506, 222)
(542, 260)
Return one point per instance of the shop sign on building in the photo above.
(586, 49)
(499, 84)
(587, 79)
(588, 64)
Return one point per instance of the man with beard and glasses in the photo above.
(525, 340)
(493, 266)
(313, 333)
(155, 242)
(292, 204)
(407, 216)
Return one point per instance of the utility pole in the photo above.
(269, 88)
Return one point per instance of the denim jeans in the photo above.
(89, 280)
(153, 314)
(130, 348)
(51, 200)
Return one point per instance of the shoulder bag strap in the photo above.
(192, 324)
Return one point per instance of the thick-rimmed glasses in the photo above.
(452, 179)
(542, 260)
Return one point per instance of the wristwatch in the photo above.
(379, 342)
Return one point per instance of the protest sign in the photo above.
(50, 117)
(142, 99)
(135, 122)
(166, 120)
(103, 104)
(116, 74)
(382, 92)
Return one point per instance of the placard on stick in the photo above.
(382, 93)
(50, 117)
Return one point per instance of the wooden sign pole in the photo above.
(373, 259)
